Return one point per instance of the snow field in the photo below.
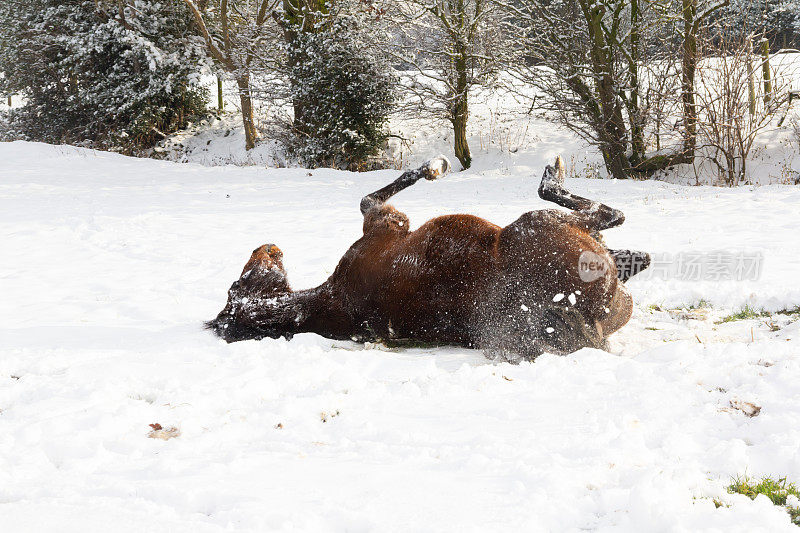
(110, 264)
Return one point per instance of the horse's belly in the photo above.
(546, 261)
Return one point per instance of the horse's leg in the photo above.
(436, 167)
(595, 215)
(263, 279)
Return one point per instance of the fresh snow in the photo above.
(110, 265)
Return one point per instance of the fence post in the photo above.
(767, 73)
(220, 102)
(751, 84)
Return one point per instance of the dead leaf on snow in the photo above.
(749, 409)
(159, 432)
(323, 416)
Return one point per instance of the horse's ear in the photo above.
(561, 169)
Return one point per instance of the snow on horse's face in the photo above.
(458, 279)
(263, 277)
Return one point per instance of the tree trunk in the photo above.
(617, 164)
(634, 112)
(250, 133)
(461, 147)
(220, 101)
(460, 112)
(688, 68)
(612, 131)
(766, 71)
(751, 82)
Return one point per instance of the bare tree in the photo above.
(452, 47)
(234, 31)
(730, 118)
(693, 15)
(586, 58)
(607, 70)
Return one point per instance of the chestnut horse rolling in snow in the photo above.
(545, 282)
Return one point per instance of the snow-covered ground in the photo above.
(110, 265)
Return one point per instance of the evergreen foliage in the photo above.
(778, 20)
(345, 90)
(116, 74)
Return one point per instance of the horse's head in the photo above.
(263, 275)
(263, 279)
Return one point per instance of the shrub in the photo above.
(118, 74)
(346, 91)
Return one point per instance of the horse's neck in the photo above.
(314, 310)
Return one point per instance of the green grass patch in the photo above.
(749, 313)
(700, 305)
(776, 490)
(795, 312)
(746, 313)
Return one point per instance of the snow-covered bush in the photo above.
(118, 74)
(347, 93)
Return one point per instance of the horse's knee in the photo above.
(367, 203)
(265, 257)
(262, 278)
(385, 217)
(535, 227)
(566, 330)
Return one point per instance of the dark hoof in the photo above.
(560, 170)
(629, 263)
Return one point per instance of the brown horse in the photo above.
(545, 282)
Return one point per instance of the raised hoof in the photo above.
(560, 170)
(436, 167)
